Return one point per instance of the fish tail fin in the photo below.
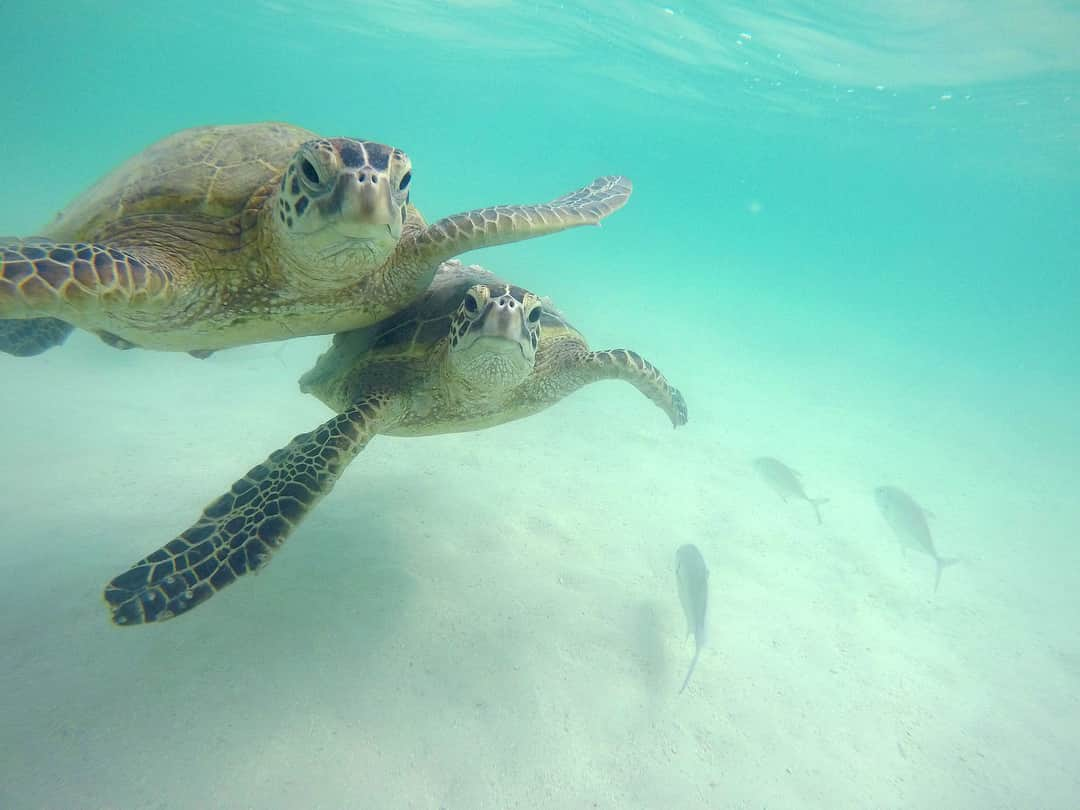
(689, 672)
(942, 564)
(816, 502)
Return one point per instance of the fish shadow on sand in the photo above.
(650, 648)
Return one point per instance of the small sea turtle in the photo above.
(226, 235)
(472, 352)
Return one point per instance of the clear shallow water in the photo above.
(852, 235)
(918, 173)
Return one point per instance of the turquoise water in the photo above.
(852, 242)
(916, 176)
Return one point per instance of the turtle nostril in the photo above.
(361, 177)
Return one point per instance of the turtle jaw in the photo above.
(339, 211)
(334, 257)
(361, 206)
(491, 363)
(496, 351)
(362, 224)
(493, 338)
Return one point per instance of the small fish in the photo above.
(693, 578)
(785, 482)
(908, 521)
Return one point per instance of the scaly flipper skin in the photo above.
(238, 532)
(501, 224)
(39, 277)
(623, 364)
(32, 336)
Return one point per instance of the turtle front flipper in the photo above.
(238, 532)
(623, 364)
(500, 224)
(31, 336)
(41, 278)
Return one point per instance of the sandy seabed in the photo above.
(490, 620)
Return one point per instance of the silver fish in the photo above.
(693, 578)
(785, 482)
(908, 521)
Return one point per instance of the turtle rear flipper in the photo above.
(31, 336)
(502, 224)
(238, 532)
(40, 277)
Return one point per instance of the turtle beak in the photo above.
(365, 200)
(504, 320)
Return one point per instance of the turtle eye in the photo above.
(534, 316)
(311, 174)
(471, 304)
(404, 184)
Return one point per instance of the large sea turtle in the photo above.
(472, 352)
(226, 235)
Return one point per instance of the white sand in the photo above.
(490, 620)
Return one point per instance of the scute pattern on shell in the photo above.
(209, 171)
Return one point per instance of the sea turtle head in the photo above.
(493, 336)
(340, 207)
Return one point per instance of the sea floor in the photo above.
(490, 620)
